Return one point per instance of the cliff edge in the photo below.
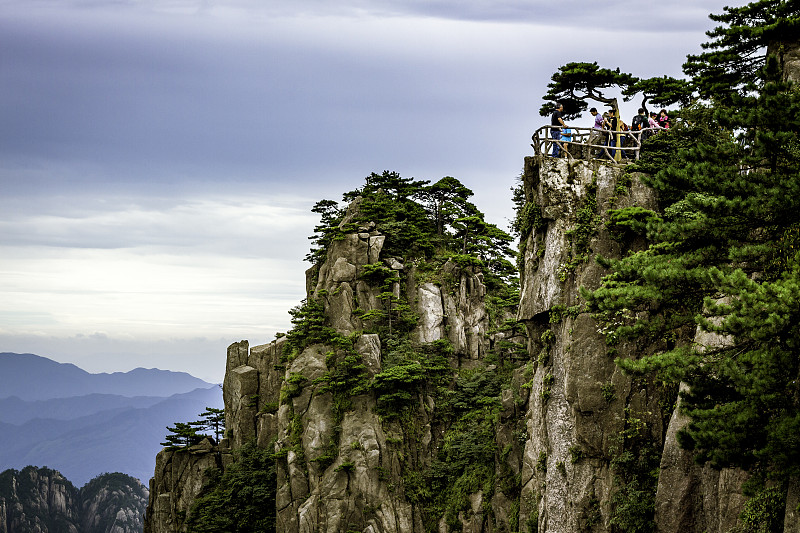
(411, 395)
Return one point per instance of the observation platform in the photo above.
(591, 143)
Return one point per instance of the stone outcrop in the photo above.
(691, 497)
(344, 467)
(41, 500)
(357, 488)
(112, 503)
(583, 413)
(575, 443)
(454, 309)
(180, 475)
(789, 53)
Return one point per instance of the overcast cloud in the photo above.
(158, 159)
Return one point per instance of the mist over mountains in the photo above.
(62, 417)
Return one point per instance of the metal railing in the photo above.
(591, 143)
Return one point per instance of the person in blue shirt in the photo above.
(566, 135)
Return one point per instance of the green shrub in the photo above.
(241, 499)
(397, 386)
(293, 386)
(763, 513)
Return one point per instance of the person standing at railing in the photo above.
(638, 124)
(622, 139)
(556, 123)
(606, 135)
(663, 119)
(596, 135)
(612, 137)
(566, 136)
(653, 122)
(639, 121)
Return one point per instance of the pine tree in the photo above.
(664, 91)
(446, 201)
(575, 83)
(739, 46)
(419, 221)
(724, 253)
(212, 420)
(330, 216)
(182, 435)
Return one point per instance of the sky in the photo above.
(159, 158)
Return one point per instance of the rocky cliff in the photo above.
(40, 500)
(593, 433)
(180, 476)
(454, 418)
(602, 453)
(357, 428)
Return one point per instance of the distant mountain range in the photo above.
(62, 417)
(32, 377)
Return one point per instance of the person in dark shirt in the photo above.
(639, 126)
(556, 123)
(612, 126)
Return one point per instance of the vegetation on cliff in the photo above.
(437, 236)
(241, 499)
(182, 435)
(724, 252)
(420, 221)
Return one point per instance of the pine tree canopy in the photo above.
(724, 253)
(574, 83)
(420, 220)
(186, 434)
(663, 92)
(182, 435)
(739, 46)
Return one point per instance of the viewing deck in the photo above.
(591, 143)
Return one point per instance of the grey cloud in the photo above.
(654, 16)
(148, 112)
(142, 132)
(234, 227)
(676, 15)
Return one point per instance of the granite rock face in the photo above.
(575, 440)
(345, 470)
(580, 405)
(789, 52)
(41, 500)
(584, 416)
(344, 474)
(691, 497)
(180, 475)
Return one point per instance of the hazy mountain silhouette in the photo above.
(32, 377)
(89, 431)
(14, 410)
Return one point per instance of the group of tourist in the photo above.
(602, 134)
